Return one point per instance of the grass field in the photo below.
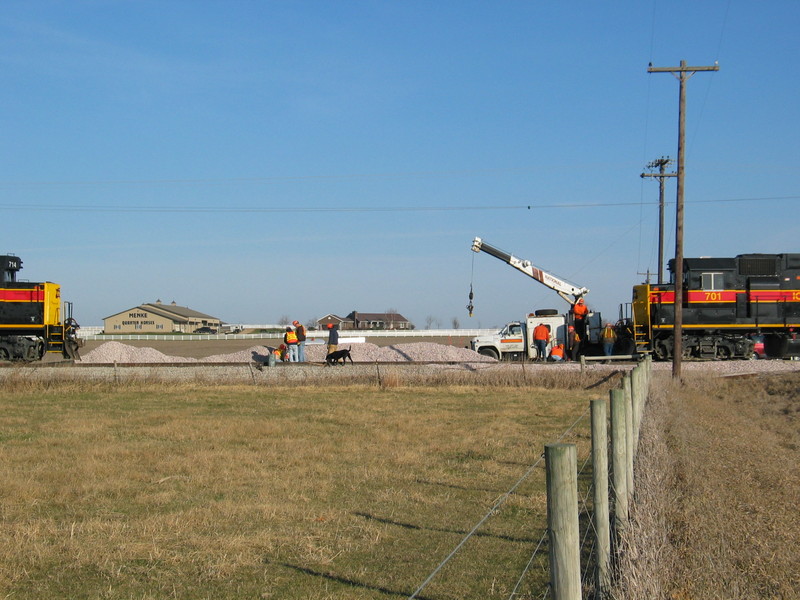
(155, 491)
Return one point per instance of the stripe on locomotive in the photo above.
(25, 295)
(746, 326)
(724, 296)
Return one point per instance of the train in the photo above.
(32, 320)
(728, 304)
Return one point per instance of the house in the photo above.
(364, 321)
(156, 317)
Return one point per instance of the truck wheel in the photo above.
(546, 312)
(490, 352)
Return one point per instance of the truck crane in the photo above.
(515, 340)
(563, 288)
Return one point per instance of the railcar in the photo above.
(726, 304)
(31, 319)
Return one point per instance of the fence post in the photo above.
(562, 520)
(619, 458)
(629, 441)
(600, 485)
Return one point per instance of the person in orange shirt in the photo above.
(579, 314)
(557, 353)
(541, 335)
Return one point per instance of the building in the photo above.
(363, 321)
(159, 318)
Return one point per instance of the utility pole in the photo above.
(682, 73)
(662, 163)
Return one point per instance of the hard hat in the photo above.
(580, 300)
(295, 323)
(571, 328)
(330, 325)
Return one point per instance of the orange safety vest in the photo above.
(290, 337)
(557, 351)
(608, 333)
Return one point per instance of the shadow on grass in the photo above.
(346, 581)
(507, 538)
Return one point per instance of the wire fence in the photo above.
(601, 473)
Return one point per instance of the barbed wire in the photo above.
(493, 510)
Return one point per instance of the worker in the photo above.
(574, 339)
(290, 339)
(541, 337)
(579, 314)
(609, 337)
(280, 353)
(557, 353)
(300, 332)
(333, 338)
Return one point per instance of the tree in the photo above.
(456, 323)
(392, 316)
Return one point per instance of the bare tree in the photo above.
(432, 322)
(391, 317)
(456, 323)
(284, 320)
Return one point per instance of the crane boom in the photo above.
(563, 288)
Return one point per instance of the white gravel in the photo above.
(116, 352)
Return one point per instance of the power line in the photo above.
(363, 209)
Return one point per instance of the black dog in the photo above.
(340, 355)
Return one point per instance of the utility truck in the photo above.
(515, 340)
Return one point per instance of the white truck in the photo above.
(515, 340)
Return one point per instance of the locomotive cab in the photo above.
(9, 265)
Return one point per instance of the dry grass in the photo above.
(150, 491)
(718, 486)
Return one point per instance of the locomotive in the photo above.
(726, 304)
(30, 317)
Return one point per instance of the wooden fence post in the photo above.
(629, 441)
(600, 485)
(619, 458)
(562, 521)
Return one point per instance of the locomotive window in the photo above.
(713, 281)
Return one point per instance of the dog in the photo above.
(340, 355)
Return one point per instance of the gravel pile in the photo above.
(116, 352)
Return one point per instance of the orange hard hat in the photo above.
(295, 322)
(330, 325)
(571, 328)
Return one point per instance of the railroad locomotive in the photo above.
(727, 303)
(30, 317)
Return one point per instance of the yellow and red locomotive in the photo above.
(31, 321)
(727, 303)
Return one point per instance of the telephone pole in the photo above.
(682, 73)
(662, 163)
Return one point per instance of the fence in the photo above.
(610, 496)
(96, 333)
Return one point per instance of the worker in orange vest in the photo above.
(557, 353)
(579, 313)
(574, 339)
(541, 336)
(290, 339)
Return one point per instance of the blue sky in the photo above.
(254, 160)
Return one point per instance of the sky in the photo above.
(260, 160)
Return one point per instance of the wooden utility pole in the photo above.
(682, 73)
(662, 163)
